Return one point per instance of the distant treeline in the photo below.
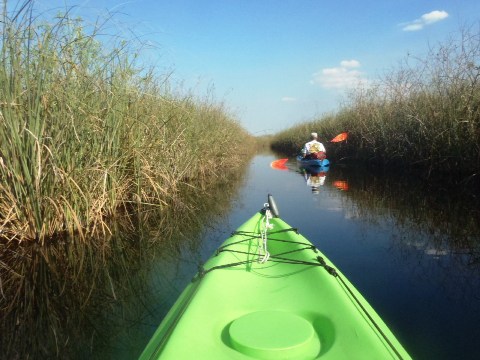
(425, 114)
(85, 132)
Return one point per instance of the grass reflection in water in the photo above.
(436, 219)
(97, 298)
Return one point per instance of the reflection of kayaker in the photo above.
(315, 179)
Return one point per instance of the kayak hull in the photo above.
(282, 301)
(312, 162)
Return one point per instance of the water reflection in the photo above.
(445, 216)
(314, 176)
(428, 235)
(340, 184)
(101, 299)
(436, 219)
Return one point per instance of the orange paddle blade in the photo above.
(279, 164)
(341, 184)
(340, 137)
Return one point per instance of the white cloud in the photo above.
(349, 63)
(413, 27)
(288, 99)
(434, 16)
(425, 19)
(343, 76)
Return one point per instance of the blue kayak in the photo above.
(312, 162)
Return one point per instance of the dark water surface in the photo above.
(412, 249)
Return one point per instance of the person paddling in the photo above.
(314, 149)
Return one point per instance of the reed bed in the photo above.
(86, 133)
(74, 300)
(423, 114)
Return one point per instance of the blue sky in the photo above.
(275, 63)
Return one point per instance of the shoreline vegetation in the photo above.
(86, 134)
(424, 115)
(80, 300)
(103, 163)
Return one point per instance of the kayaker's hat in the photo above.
(314, 135)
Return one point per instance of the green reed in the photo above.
(425, 113)
(86, 132)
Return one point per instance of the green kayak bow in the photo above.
(268, 293)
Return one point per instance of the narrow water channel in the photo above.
(412, 249)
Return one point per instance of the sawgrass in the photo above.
(85, 132)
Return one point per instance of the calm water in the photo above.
(412, 250)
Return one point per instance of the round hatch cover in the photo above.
(274, 335)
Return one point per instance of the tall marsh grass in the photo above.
(85, 132)
(425, 114)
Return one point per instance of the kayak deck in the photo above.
(282, 300)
